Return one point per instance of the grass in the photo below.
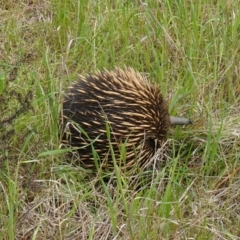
(190, 48)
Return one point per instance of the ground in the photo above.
(191, 49)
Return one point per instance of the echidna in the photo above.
(123, 101)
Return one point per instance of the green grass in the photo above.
(191, 48)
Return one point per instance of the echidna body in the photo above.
(132, 108)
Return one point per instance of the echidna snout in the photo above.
(179, 121)
(134, 110)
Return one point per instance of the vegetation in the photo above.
(191, 48)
